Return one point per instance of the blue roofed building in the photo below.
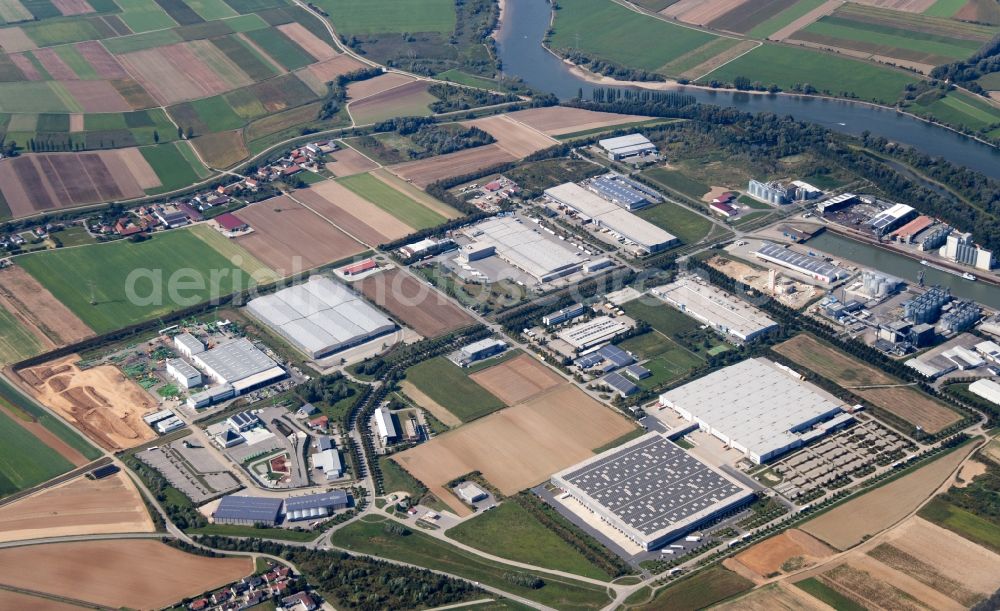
(615, 355)
(620, 384)
(248, 510)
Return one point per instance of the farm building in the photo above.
(230, 222)
(526, 247)
(628, 147)
(386, 425)
(590, 207)
(188, 345)
(987, 389)
(359, 268)
(814, 267)
(718, 309)
(651, 490)
(186, 375)
(470, 492)
(593, 332)
(320, 316)
(757, 407)
(248, 510)
(313, 506)
(239, 364)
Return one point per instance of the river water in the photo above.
(526, 21)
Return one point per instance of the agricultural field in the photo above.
(17, 342)
(31, 319)
(136, 574)
(348, 162)
(908, 39)
(958, 108)
(93, 281)
(400, 294)
(25, 460)
(774, 597)
(37, 183)
(601, 26)
(425, 172)
(352, 213)
(792, 19)
(381, 16)
(77, 507)
(699, 591)
(511, 532)
(559, 121)
(517, 447)
(370, 536)
(853, 522)
(451, 387)
(789, 551)
(517, 379)
(290, 238)
(787, 67)
(902, 401)
(513, 136)
(59, 436)
(393, 200)
(406, 100)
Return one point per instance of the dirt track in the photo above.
(518, 379)
(518, 447)
(139, 574)
(101, 402)
(77, 507)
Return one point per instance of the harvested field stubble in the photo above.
(347, 162)
(769, 556)
(518, 379)
(426, 171)
(558, 120)
(516, 138)
(517, 447)
(417, 305)
(354, 214)
(35, 306)
(135, 574)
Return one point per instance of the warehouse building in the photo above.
(315, 506)
(623, 191)
(477, 351)
(386, 425)
(238, 363)
(188, 345)
(987, 389)
(620, 384)
(186, 375)
(590, 207)
(525, 246)
(470, 493)
(329, 462)
(560, 316)
(723, 312)
(593, 332)
(631, 146)
(248, 510)
(757, 407)
(210, 396)
(651, 490)
(320, 317)
(889, 220)
(169, 425)
(813, 267)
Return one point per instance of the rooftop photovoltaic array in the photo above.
(797, 260)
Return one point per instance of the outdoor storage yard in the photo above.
(902, 401)
(135, 574)
(101, 402)
(517, 447)
(417, 305)
(289, 237)
(80, 506)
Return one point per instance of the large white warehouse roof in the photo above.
(524, 246)
(755, 406)
(607, 214)
(715, 307)
(320, 316)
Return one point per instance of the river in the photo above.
(519, 42)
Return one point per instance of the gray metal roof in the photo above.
(313, 501)
(250, 508)
(192, 343)
(628, 142)
(616, 355)
(235, 360)
(620, 383)
(183, 367)
(799, 261)
(617, 192)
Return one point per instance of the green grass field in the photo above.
(819, 590)
(669, 366)
(599, 27)
(965, 523)
(702, 590)
(961, 108)
(787, 66)
(850, 31)
(211, 9)
(139, 42)
(14, 401)
(422, 550)
(36, 96)
(396, 479)
(661, 317)
(16, 342)
(944, 8)
(681, 222)
(144, 16)
(647, 345)
(24, 460)
(784, 18)
(511, 532)
(678, 181)
(378, 16)
(95, 281)
(174, 164)
(235, 254)
(281, 48)
(990, 81)
(449, 385)
(392, 201)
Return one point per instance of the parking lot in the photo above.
(192, 469)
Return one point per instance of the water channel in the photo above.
(526, 21)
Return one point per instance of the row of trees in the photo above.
(452, 98)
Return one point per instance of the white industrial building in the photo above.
(185, 374)
(591, 207)
(813, 267)
(477, 351)
(386, 425)
(987, 389)
(628, 147)
(990, 351)
(593, 332)
(320, 316)
(959, 247)
(169, 425)
(726, 313)
(758, 407)
(651, 490)
(238, 363)
(524, 246)
(315, 506)
(893, 217)
(188, 345)
(470, 492)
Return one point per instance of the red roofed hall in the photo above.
(231, 222)
(360, 267)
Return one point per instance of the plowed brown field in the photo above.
(516, 138)
(518, 379)
(559, 120)
(426, 171)
(419, 306)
